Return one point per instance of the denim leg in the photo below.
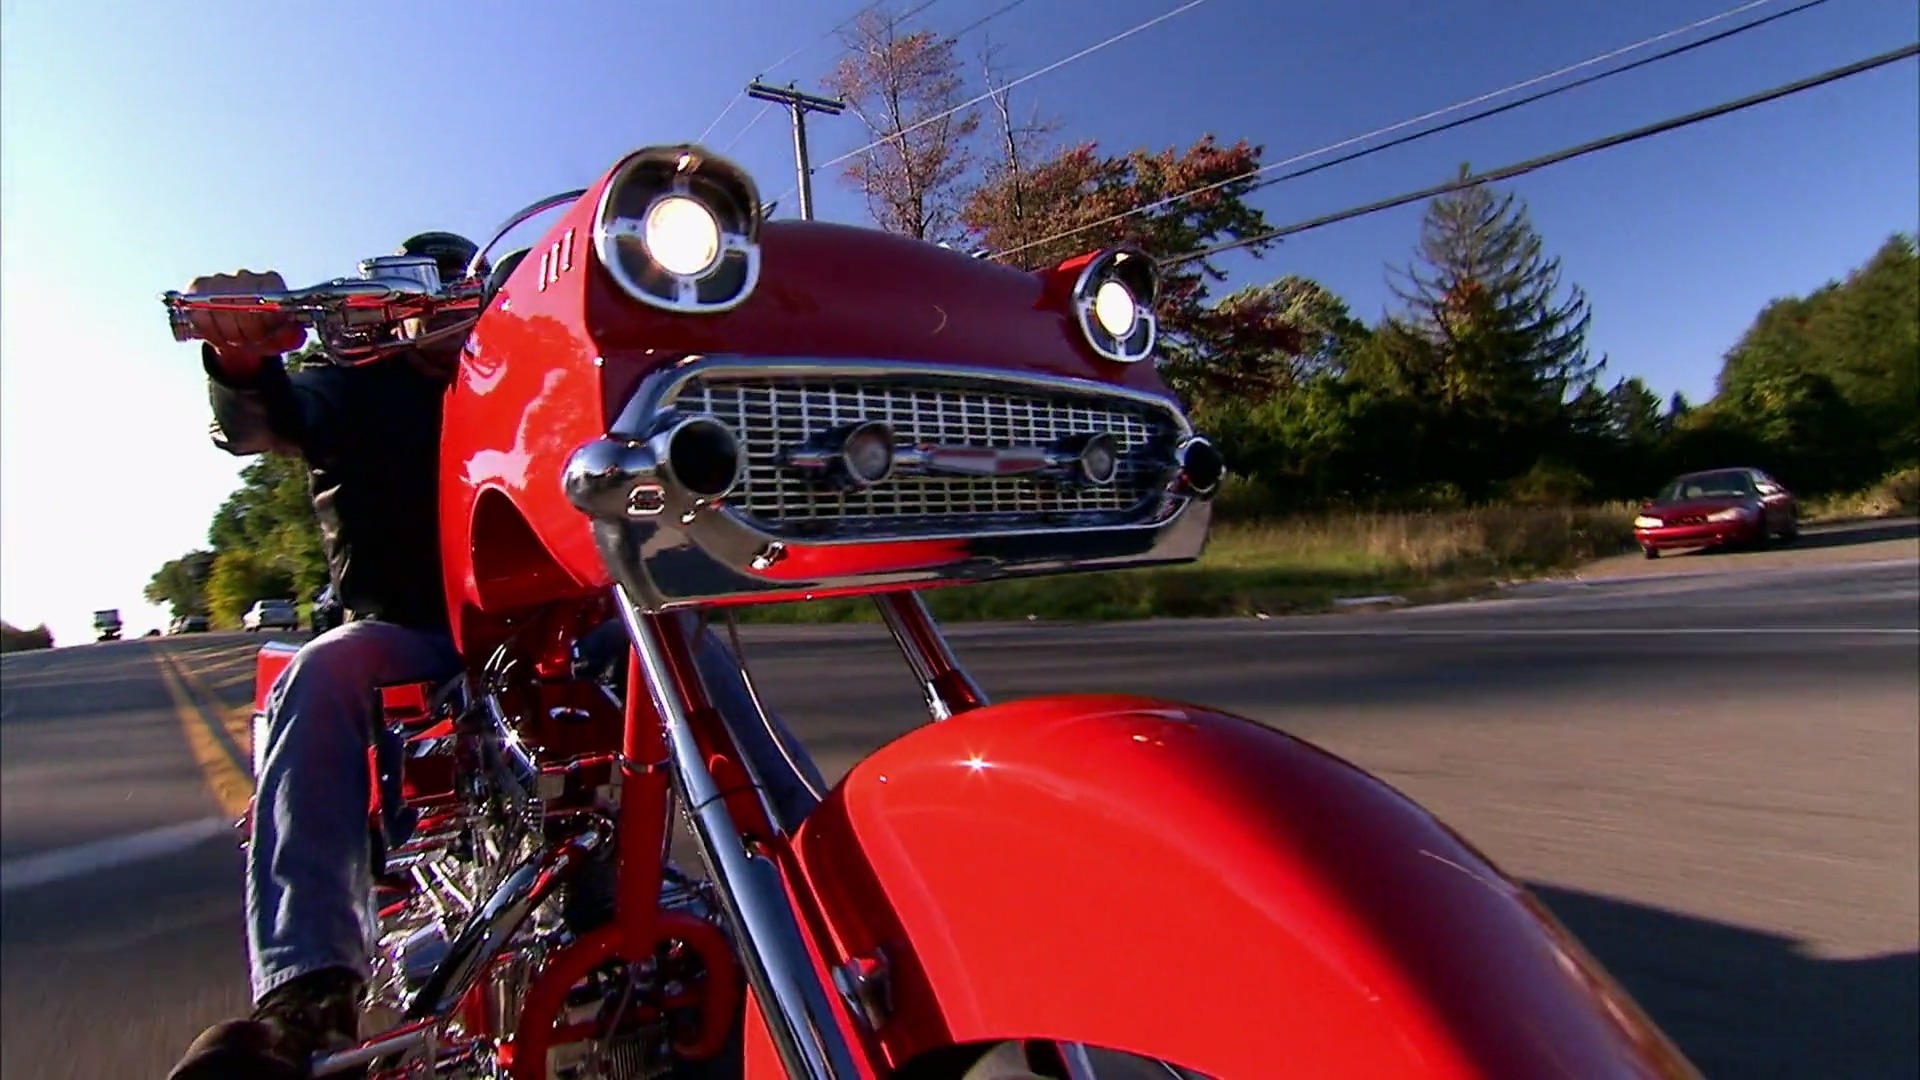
(309, 872)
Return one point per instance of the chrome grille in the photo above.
(771, 414)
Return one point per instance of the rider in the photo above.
(370, 437)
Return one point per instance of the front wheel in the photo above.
(1045, 1060)
(1651, 553)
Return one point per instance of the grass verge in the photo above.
(1288, 567)
(1895, 495)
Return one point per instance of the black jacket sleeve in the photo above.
(273, 412)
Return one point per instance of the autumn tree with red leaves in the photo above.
(1265, 340)
(1079, 201)
(900, 83)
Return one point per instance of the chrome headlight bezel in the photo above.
(1139, 275)
(638, 187)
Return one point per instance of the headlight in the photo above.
(1113, 301)
(1113, 306)
(1645, 522)
(682, 236)
(679, 229)
(1732, 514)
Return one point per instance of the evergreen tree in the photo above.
(1492, 341)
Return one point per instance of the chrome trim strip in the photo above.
(659, 390)
(795, 1004)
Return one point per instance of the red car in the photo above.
(1717, 508)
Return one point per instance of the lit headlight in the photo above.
(682, 236)
(1113, 301)
(1113, 307)
(1645, 522)
(679, 229)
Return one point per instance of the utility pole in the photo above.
(799, 103)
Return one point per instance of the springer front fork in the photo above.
(772, 947)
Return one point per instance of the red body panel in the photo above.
(547, 368)
(1057, 867)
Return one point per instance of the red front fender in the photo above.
(1177, 882)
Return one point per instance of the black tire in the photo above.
(1651, 553)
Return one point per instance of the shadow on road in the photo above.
(1745, 1003)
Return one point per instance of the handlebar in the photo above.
(356, 318)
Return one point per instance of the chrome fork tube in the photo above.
(798, 1011)
(945, 684)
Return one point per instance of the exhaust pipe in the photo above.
(1198, 469)
(688, 462)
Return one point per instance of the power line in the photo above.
(741, 95)
(1601, 76)
(985, 19)
(1056, 65)
(1180, 197)
(742, 133)
(738, 97)
(1522, 168)
(842, 25)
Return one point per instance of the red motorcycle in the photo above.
(670, 405)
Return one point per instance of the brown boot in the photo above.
(312, 1013)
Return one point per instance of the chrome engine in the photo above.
(472, 897)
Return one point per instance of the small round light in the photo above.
(868, 453)
(1114, 307)
(682, 236)
(1100, 460)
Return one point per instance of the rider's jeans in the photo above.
(310, 900)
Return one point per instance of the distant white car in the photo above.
(271, 614)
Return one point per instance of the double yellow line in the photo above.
(221, 738)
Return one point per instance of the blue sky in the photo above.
(144, 144)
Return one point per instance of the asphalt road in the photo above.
(1708, 765)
